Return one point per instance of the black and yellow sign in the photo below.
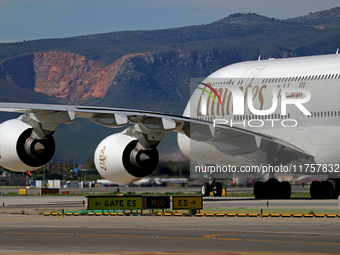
(157, 202)
(183, 202)
(114, 202)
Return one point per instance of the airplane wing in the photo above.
(228, 140)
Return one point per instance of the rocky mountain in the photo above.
(329, 18)
(151, 70)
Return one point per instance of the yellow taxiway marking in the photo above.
(47, 235)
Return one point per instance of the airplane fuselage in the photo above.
(317, 134)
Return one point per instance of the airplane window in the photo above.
(332, 114)
(321, 114)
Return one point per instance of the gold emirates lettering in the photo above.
(227, 103)
(102, 159)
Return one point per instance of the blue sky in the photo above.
(39, 19)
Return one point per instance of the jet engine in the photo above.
(120, 158)
(20, 150)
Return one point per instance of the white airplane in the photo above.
(257, 116)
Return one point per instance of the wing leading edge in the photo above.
(226, 139)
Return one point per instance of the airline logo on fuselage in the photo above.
(239, 100)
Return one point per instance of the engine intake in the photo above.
(118, 158)
(19, 150)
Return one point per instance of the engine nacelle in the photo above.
(119, 159)
(21, 152)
